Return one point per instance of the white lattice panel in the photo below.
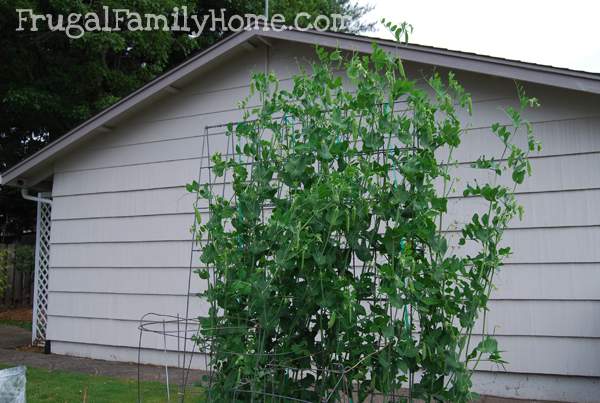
(42, 273)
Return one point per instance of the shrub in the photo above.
(22, 258)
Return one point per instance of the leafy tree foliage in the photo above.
(331, 266)
(50, 83)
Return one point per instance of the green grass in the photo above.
(19, 323)
(68, 387)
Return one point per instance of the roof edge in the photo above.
(125, 104)
(530, 72)
(522, 71)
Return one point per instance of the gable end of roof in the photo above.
(528, 72)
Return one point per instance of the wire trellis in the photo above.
(191, 340)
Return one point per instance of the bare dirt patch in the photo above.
(20, 314)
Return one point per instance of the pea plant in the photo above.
(332, 273)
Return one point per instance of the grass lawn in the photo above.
(19, 323)
(20, 317)
(68, 387)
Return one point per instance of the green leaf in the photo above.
(488, 345)
(518, 176)
(192, 187)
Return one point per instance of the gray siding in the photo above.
(121, 218)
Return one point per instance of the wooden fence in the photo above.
(16, 284)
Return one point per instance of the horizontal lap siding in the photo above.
(563, 281)
(121, 280)
(112, 332)
(145, 228)
(121, 219)
(124, 204)
(565, 172)
(514, 282)
(537, 387)
(131, 354)
(119, 254)
(547, 355)
(507, 318)
(542, 209)
(190, 137)
(542, 318)
(555, 173)
(547, 245)
(529, 246)
(120, 306)
(569, 136)
(176, 226)
(97, 296)
(137, 177)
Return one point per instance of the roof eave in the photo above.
(545, 75)
(10, 177)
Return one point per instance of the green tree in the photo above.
(50, 83)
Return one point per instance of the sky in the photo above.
(556, 33)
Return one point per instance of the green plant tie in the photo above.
(402, 244)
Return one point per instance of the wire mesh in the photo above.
(273, 368)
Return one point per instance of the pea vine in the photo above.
(331, 272)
